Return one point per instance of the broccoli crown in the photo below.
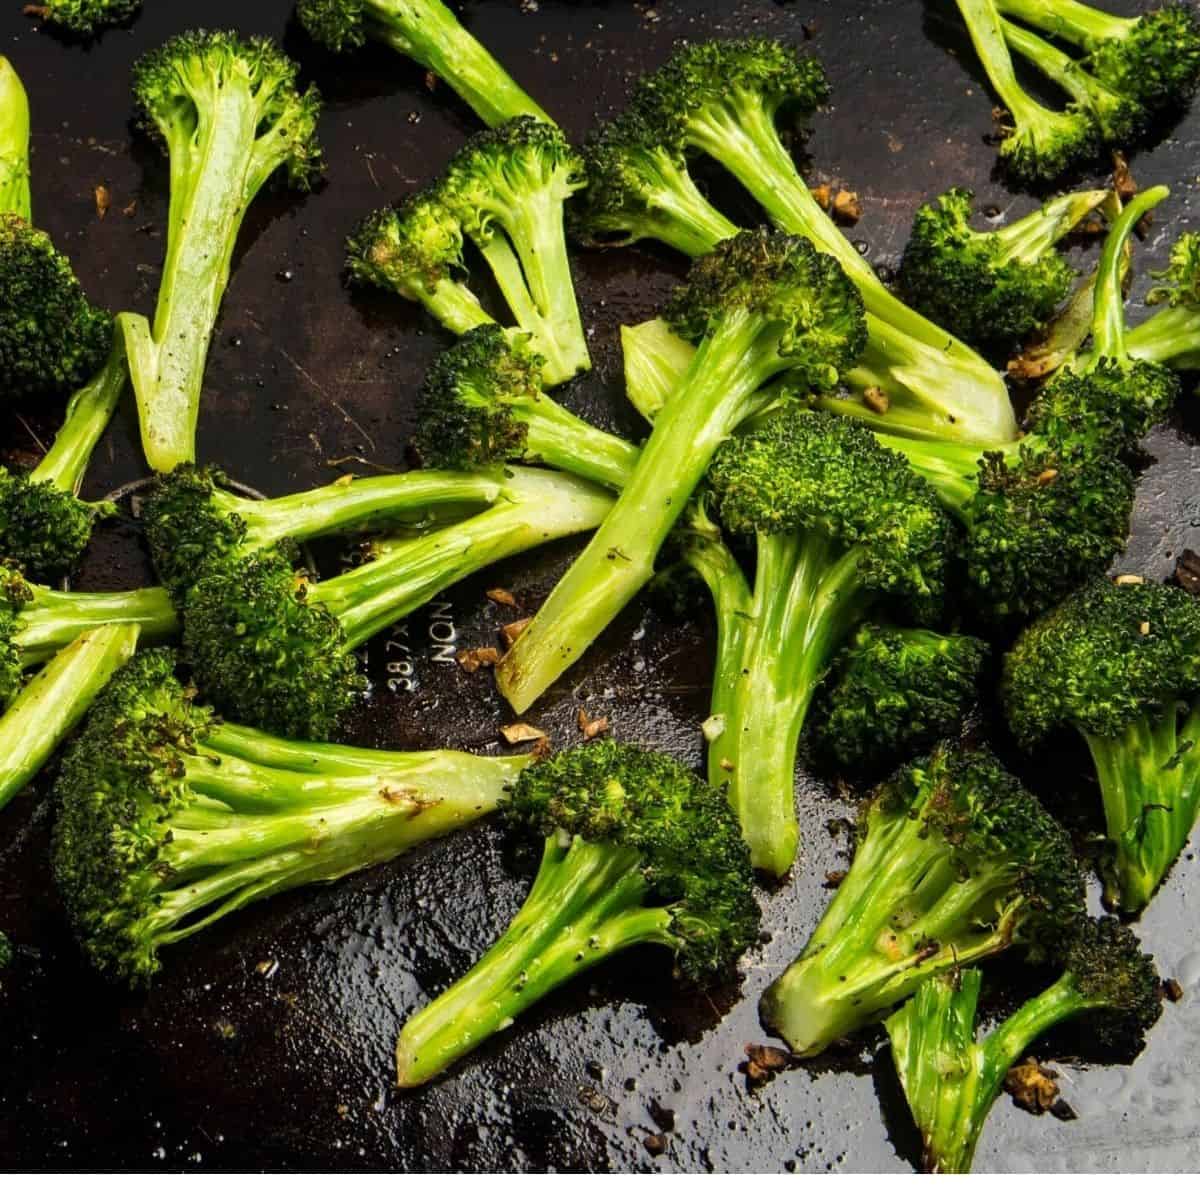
(815, 471)
(1181, 280)
(178, 85)
(969, 283)
(42, 527)
(803, 297)
(51, 338)
(740, 73)
(119, 786)
(87, 17)
(694, 860)
(1158, 61)
(15, 594)
(261, 649)
(1049, 143)
(470, 401)
(1108, 655)
(337, 24)
(410, 248)
(893, 692)
(189, 535)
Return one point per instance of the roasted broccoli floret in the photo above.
(483, 402)
(893, 693)
(838, 524)
(955, 861)
(84, 18)
(637, 850)
(993, 288)
(51, 704)
(273, 649)
(170, 819)
(951, 1080)
(1121, 664)
(230, 115)
(760, 305)
(429, 33)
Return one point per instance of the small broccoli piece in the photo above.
(951, 1080)
(230, 115)
(483, 403)
(84, 18)
(51, 704)
(170, 819)
(1121, 664)
(196, 526)
(760, 305)
(638, 850)
(991, 289)
(892, 693)
(1153, 58)
(430, 34)
(273, 649)
(955, 862)
(14, 143)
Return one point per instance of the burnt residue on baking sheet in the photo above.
(267, 1041)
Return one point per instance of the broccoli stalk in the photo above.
(84, 18)
(990, 288)
(14, 144)
(170, 820)
(1119, 663)
(274, 650)
(638, 851)
(51, 704)
(230, 115)
(760, 305)
(955, 862)
(951, 1080)
(430, 34)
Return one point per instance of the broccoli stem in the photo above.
(656, 359)
(1079, 24)
(88, 413)
(1171, 337)
(14, 144)
(555, 435)
(428, 32)
(1026, 240)
(452, 304)
(679, 215)
(1150, 785)
(52, 703)
(587, 902)
(53, 619)
(951, 469)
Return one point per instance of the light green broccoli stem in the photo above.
(1079, 24)
(656, 359)
(1061, 69)
(952, 470)
(556, 435)
(14, 144)
(680, 215)
(538, 507)
(1150, 783)
(449, 301)
(1028, 239)
(1171, 337)
(428, 32)
(52, 703)
(587, 903)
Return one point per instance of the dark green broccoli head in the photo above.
(970, 283)
(471, 401)
(693, 857)
(1181, 280)
(1157, 62)
(261, 650)
(801, 470)
(894, 692)
(86, 18)
(51, 338)
(1042, 524)
(179, 85)
(803, 298)
(42, 527)
(409, 249)
(1048, 144)
(337, 24)
(1107, 656)
(15, 594)
(119, 785)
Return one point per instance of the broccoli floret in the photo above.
(85, 18)
(483, 403)
(273, 649)
(1121, 664)
(951, 1080)
(760, 305)
(230, 115)
(955, 862)
(51, 704)
(838, 523)
(170, 819)
(196, 526)
(637, 850)
(429, 33)
(991, 289)
(892, 693)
